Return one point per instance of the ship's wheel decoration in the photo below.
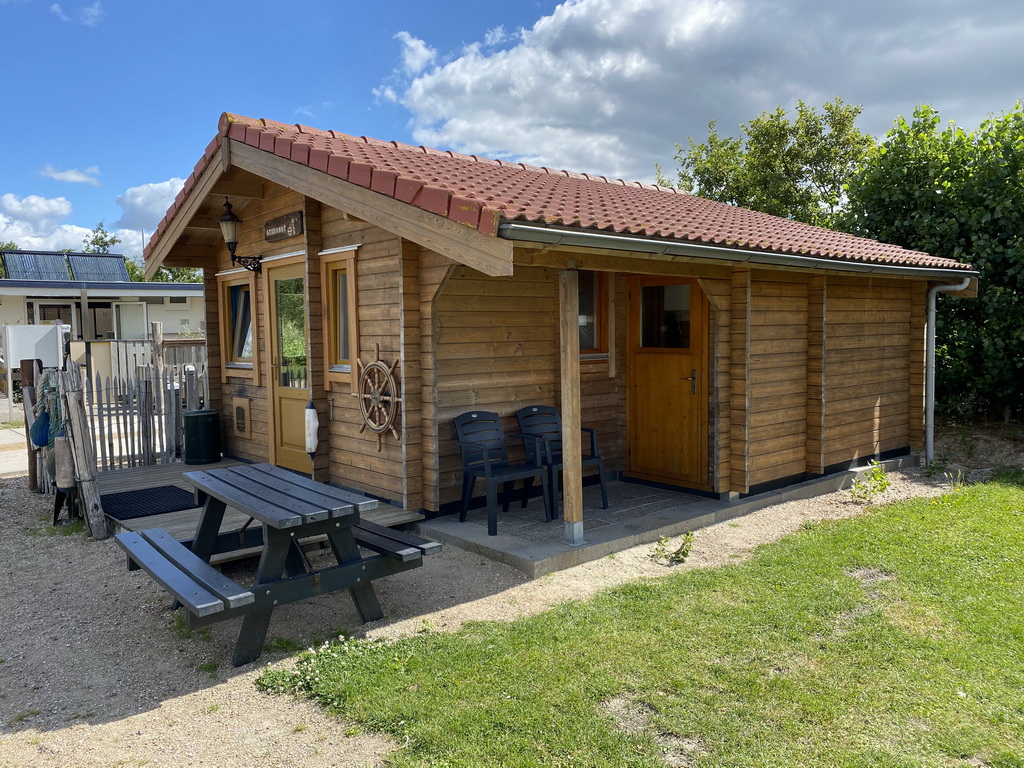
(378, 397)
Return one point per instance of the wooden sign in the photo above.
(283, 227)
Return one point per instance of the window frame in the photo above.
(230, 365)
(332, 262)
(601, 314)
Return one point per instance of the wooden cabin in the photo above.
(718, 350)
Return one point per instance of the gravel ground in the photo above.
(95, 670)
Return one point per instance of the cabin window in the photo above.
(238, 332)
(339, 321)
(341, 335)
(593, 318)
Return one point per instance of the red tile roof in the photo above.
(483, 193)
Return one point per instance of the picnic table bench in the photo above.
(291, 509)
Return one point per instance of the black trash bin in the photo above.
(202, 437)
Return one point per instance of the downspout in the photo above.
(929, 396)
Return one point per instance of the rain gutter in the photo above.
(929, 386)
(674, 248)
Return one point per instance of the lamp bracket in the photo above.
(252, 263)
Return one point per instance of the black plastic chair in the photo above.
(543, 421)
(485, 455)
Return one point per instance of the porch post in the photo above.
(572, 457)
(87, 331)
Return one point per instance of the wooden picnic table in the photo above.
(289, 509)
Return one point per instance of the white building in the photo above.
(91, 293)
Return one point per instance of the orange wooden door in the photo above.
(667, 375)
(289, 386)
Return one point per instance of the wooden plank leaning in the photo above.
(83, 453)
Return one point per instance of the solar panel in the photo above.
(35, 265)
(98, 267)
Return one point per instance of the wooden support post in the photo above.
(28, 379)
(88, 330)
(156, 331)
(572, 450)
(83, 453)
(147, 447)
(191, 389)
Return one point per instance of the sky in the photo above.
(108, 104)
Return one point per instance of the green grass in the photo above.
(895, 639)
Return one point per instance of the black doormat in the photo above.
(129, 505)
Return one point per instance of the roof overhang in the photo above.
(671, 250)
(460, 243)
(96, 290)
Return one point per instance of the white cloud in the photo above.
(610, 86)
(73, 176)
(143, 206)
(36, 213)
(416, 54)
(495, 36)
(310, 112)
(35, 223)
(89, 15)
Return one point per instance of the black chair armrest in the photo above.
(470, 454)
(532, 445)
(594, 452)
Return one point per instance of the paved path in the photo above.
(13, 452)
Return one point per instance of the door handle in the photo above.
(692, 378)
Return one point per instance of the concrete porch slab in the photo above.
(637, 514)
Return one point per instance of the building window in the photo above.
(238, 332)
(341, 337)
(338, 329)
(593, 319)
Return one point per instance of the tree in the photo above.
(135, 271)
(178, 275)
(100, 241)
(795, 168)
(959, 195)
(10, 245)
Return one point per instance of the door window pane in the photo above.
(291, 331)
(665, 316)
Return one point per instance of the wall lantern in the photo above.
(229, 227)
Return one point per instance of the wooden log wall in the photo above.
(719, 295)
(778, 376)
(868, 366)
(497, 350)
(434, 271)
(410, 342)
(825, 371)
(603, 384)
(354, 458)
(739, 375)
